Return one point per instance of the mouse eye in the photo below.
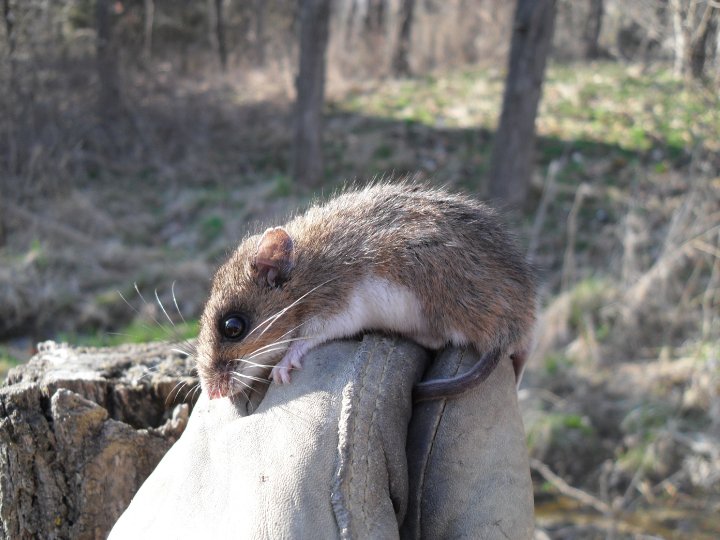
(233, 326)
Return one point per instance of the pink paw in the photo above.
(292, 360)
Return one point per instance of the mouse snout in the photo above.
(216, 379)
(219, 386)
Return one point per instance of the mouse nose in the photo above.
(215, 392)
(218, 387)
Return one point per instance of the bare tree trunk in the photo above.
(107, 61)
(691, 29)
(217, 31)
(716, 53)
(310, 84)
(148, 29)
(401, 65)
(593, 25)
(698, 48)
(350, 22)
(679, 35)
(260, 6)
(9, 18)
(513, 151)
(220, 29)
(375, 15)
(470, 14)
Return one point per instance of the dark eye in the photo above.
(233, 326)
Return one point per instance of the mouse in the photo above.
(421, 262)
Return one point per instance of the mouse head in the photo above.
(249, 315)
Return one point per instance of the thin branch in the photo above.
(566, 489)
(702, 26)
(548, 195)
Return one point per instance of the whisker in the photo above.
(163, 308)
(137, 289)
(145, 326)
(172, 290)
(251, 363)
(179, 386)
(149, 370)
(251, 377)
(183, 351)
(284, 310)
(240, 381)
(299, 325)
(192, 388)
(271, 320)
(128, 303)
(244, 393)
(137, 312)
(175, 334)
(167, 332)
(268, 351)
(275, 343)
(171, 335)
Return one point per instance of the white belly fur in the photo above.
(376, 304)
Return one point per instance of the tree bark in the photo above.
(349, 23)
(80, 430)
(217, 31)
(9, 18)
(148, 28)
(513, 151)
(593, 25)
(310, 84)
(401, 64)
(699, 45)
(679, 35)
(691, 28)
(260, 8)
(375, 15)
(107, 61)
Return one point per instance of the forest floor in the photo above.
(622, 397)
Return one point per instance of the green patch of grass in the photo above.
(574, 421)
(135, 332)
(612, 105)
(634, 458)
(588, 296)
(646, 418)
(7, 361)
(555, 428)
(384, 151)
(212, 197)
(556, 363)
(212, 227)
(283, 185)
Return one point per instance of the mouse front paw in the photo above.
(292, 360)
(281, 372)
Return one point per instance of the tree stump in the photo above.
(81, 429)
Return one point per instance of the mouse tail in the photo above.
(454, 386)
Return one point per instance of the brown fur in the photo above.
(450, 250)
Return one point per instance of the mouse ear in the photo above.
(274, 257)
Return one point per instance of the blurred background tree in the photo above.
(310, 85)
(513, 154)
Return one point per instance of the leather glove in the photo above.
(340, 452)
